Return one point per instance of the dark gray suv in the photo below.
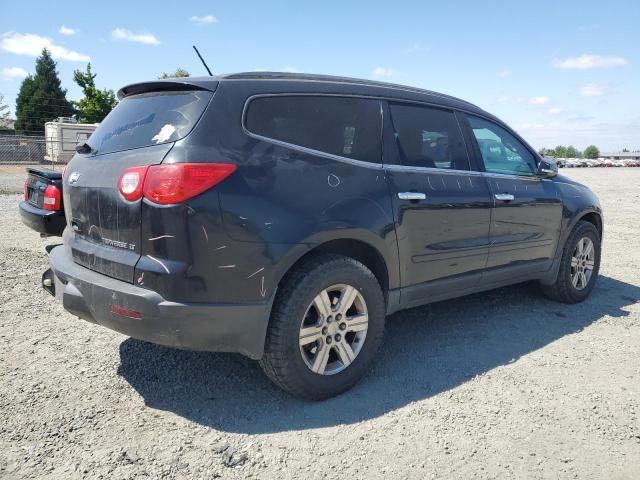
(283, 216)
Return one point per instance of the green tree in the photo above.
(179, 73)
(96, 104)
(5, 118)
(571, 152)
(591, 152)
(561, 152)
(41, 97)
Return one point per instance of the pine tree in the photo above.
(96, 104)
(41, 97)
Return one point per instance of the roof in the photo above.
(210, 83)
(311, 77)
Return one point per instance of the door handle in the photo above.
(411, 196)
(504, 197)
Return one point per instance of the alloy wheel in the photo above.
(333, 329)
(582, 263)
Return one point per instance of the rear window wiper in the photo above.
(84, 148)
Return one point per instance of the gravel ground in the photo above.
(503, 384)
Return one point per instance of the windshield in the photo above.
(149, 119)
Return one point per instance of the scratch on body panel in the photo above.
(263, 291)
(159, 262)
(256, 272)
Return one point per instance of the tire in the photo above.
(289, 364)
(563, 289)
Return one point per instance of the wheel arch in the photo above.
(592, 217)
(358, 249)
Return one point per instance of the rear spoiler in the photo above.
(45, 173)
(167, 86)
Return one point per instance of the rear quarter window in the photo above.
(149, 119)
(343, 126)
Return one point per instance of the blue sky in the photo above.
(557, 71)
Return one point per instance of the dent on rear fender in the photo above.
(187, 256)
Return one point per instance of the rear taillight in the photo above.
(131, 183)
(52, 198)
(173, 182)
(26, 191)
(177, 182)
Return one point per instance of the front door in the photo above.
(442, 209)
(527, 209)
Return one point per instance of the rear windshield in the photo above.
(149, 119)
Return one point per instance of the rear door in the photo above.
(527, 209)
(104, 233)
(442, 209)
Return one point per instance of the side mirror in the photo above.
(547, 168)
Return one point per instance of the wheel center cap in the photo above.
(332, 328)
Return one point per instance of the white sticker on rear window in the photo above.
(164, 134)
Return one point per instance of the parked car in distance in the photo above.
(42, 208)
(284, 216)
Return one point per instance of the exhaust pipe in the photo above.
(48, 282)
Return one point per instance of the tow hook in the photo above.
(48, 282)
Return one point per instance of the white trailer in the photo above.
(62, 135)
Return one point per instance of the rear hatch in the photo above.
(105, 228)
(38, 179)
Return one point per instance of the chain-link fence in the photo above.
(56, 147)
(23, 150)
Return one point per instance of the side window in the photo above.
(501, 151)
(428, 137)
(348, 127)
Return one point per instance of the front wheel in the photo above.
(325, 328)
(579, 265)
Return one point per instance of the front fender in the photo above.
(578, 201)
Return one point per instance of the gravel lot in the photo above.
(503, 384)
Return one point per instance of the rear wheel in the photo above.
(325, 328)
(579, 265)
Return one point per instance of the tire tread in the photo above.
(274, 362)
(562, 290)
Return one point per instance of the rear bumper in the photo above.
(191, 326)
(43, 221)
